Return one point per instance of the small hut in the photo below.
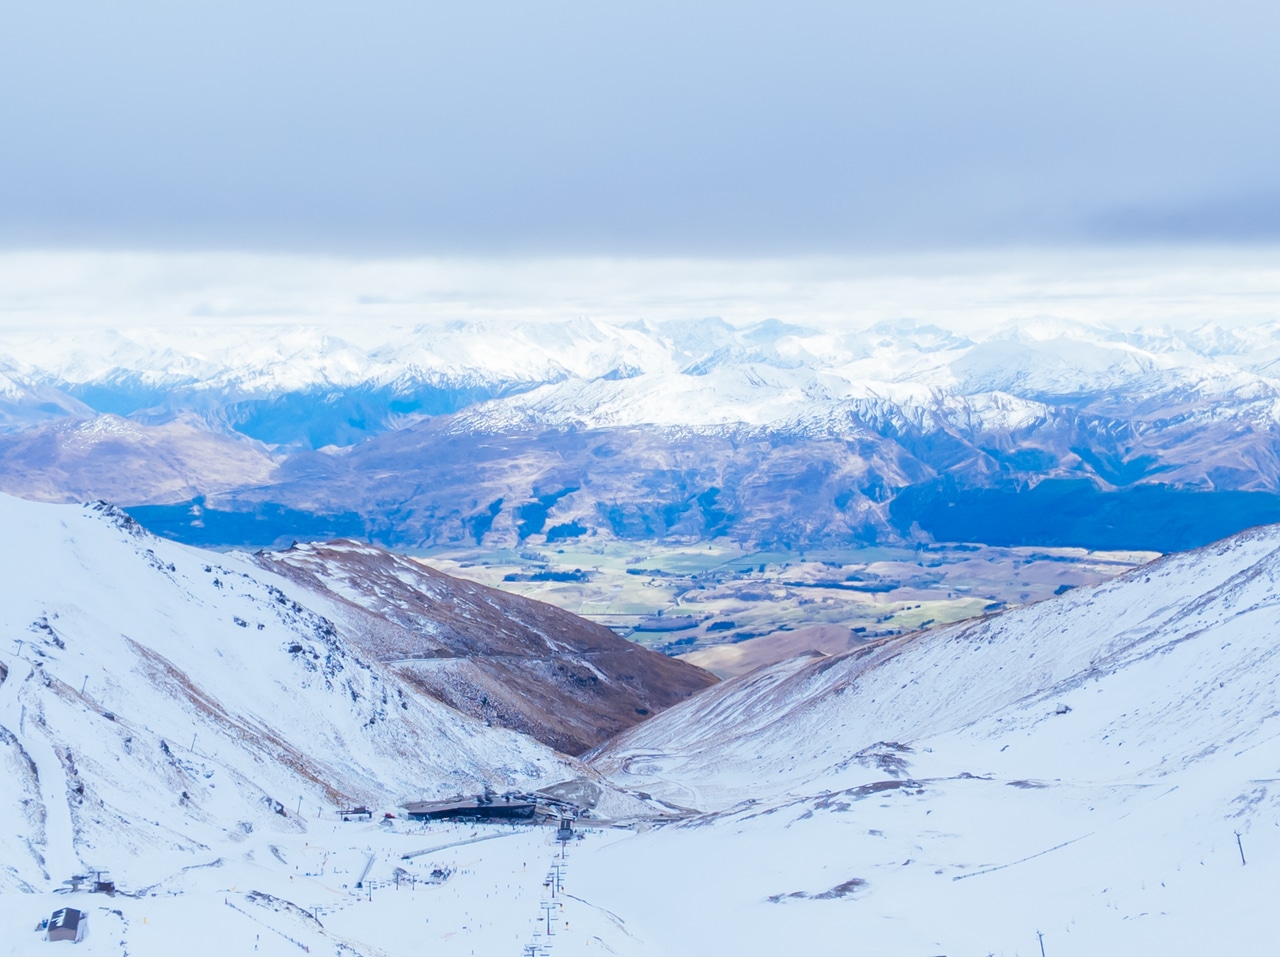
(67, 923)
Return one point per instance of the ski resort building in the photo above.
(472, 809)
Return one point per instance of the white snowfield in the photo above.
(1099, 769)
(1079, 768)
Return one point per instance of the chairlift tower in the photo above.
(549, 908)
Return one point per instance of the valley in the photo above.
(905, 640)
(730, 610)
(504, 660)
(639, 480)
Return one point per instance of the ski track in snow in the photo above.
(59, 847)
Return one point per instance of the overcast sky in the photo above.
(367, 300)
(641, 129)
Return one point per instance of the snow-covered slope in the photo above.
(703, 372)
(157, 701)
(1161, 667)
(1099, 767)
(1095, 774)
(24, 405)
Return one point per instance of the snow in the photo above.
(175, 700)
(283, 896)
(1079, 767)
(1100, 769)
(701, 373)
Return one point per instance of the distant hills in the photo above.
(1044, 432)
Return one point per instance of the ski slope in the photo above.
(159, 701)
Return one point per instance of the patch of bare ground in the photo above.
(509, 661)
(843, 889)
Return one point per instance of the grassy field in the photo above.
(729, 610)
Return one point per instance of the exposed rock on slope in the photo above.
(510, 661)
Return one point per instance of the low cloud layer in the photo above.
(365, 301)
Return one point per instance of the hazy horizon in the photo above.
(363, 299)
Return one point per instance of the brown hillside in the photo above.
(511, 661)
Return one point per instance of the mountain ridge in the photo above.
(512, 662)
(157, 700)
(683, 409)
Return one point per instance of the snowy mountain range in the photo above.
(769, 434)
